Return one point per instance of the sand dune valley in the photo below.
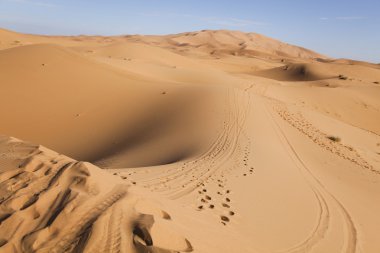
(213, 141)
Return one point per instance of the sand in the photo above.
(209, 141)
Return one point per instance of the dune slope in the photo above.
(61, 96)
(51, 203)
(248, 144)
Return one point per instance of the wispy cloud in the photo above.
(343, 18)
(232, 22)
(228, 22)
(350, 18)
(31, 2)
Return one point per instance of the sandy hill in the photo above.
(51, 203)
(221, 42)
(206, 142)
(10, 39)
(60, 95)
(351, 62)
(155, 63)
(298, 72)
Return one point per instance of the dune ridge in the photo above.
(207, 141)
(51, 203)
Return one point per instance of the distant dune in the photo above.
(208, 141)
(298, 72)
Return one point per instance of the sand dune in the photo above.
(224, 42)
(51, 203)
(71, 94)
(297, 72)
(209, 141)
(351, 62)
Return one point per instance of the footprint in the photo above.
(151, 235)
(224, 218)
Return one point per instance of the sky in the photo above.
(337, 28)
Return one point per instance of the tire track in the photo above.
(320, 138)
(202, 182)
(73, 232)
(175, 183)
(350, 238)
(51, 203)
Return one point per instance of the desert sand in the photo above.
(210, 141)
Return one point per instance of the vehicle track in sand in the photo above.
(192, 180)
(51, 203)
(299, 122)
(195, 178)
(325, 199)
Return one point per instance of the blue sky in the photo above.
(338, 28)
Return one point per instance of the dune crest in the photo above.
(51, 203)
(207, 141)
(297, 72)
